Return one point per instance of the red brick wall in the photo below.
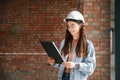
(26, 67)
(97, 14)
(23, 23)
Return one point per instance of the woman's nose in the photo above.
(70, 29)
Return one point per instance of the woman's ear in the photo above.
(80, 25)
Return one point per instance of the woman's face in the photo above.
(73, 28)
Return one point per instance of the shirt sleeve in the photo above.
(89, 64)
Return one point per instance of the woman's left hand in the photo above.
(70, 64)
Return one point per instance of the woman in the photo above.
(76, 50)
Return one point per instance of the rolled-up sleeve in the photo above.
(89, 63)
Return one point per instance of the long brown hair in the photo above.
(81, 44)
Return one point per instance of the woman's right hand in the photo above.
(51, 61)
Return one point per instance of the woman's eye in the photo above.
(72, 26)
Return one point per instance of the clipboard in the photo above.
(52, 51)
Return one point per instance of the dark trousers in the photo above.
(66, 76)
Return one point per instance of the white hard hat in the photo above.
(75, 15)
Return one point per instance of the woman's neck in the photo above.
(75, 37)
